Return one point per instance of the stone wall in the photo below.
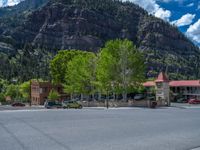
(130, 103)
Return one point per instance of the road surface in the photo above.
(100, 129)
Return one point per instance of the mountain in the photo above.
(36, 34)
(5, 3)
(23, 7)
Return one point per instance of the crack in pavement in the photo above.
(13, 136)
(43, 133)
(195, 148)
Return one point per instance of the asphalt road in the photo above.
(100, 129)
(9, 107)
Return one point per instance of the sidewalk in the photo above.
(8, 107)
(185, 105)
(114, 108)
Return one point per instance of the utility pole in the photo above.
(107, 104)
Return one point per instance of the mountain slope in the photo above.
(88, 24)
(23, 6)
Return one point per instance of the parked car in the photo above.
(151, 98)
(52, 104)
(182, 100)
(194, 101)
(72, 104)
(18, 104)
(139, 97)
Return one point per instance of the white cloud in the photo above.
(190, 5)
(4, 3)
(194, 31)
(12, 2)
(166, 1)
(149, 5)
(186, 19)
(164, 14)
(152, 7)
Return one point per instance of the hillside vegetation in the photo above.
(33, 35)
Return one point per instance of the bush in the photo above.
(53, 95)
(2, 98)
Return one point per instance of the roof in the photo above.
(149, 84)
(184, 83)
(181, 83)
(162, 78)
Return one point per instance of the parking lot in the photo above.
(100, 129)
(9, 107)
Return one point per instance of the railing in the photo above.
(191, 93)
(196, 92)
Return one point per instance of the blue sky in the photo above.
(183, 13)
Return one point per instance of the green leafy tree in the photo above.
(3, 85)
(106, 72)
(24, 89)
(58, 66)
(120, 66)
(53, 95)
(2, 98)
(80, 76)
(12, 91)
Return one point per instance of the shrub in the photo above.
(53, 95)
(2, 98)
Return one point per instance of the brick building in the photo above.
(41, 90)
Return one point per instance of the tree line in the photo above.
(14, 91)
(119, 68)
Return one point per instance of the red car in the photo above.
(194, 101)
(18, 104)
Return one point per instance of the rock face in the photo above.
(88, 24)
(24, 6)
(60, 26)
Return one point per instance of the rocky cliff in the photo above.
(88, 24)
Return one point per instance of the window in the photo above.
(159, 92)
(159, 85)
(45, 90)
(59, 89)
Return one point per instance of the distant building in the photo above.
(40, 92)
(8, 99)
(186, 88)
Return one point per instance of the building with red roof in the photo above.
(162, 77)
(149, 84)
(185, 83)
(186, 88)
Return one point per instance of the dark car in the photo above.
(182, 100)
(18, 104)
(151, 98)
(139, 97)
(52, 104)
(72, 104)
(194, 101)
